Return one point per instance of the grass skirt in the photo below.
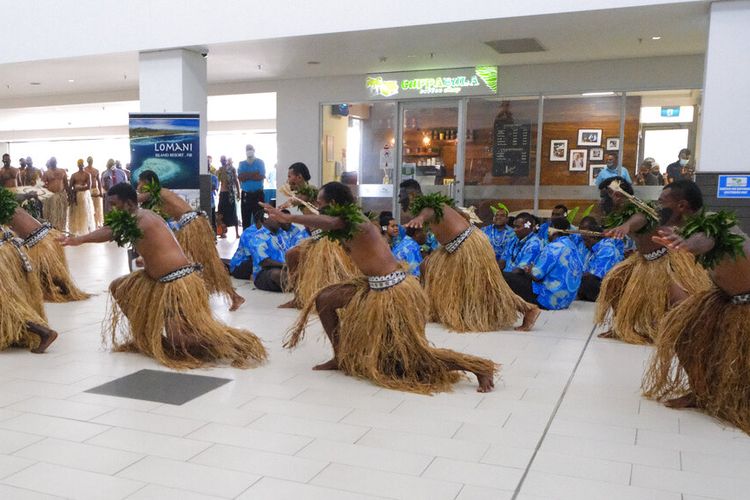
(98, 207)
(704, 348)
(49, 262)
(25, 285)
(634, 295)
(322, 263)
(382, 339)
(197, 240)
(16, 308)
(81, 218)
(55, 210)
(173, 323)
(467, 291)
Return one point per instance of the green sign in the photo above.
(479, 80)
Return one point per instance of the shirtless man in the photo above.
(195, 234)
(96, 191)
(229, 195)
(56, 206)
(166, 297)
(466, 289)
(377, 351)
(32, 174)
(81, 217)
(10, 177)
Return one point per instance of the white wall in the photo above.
(726, 97)
(52, 29)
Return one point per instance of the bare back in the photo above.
(733, 276)
(23, 224)
(173, 205)
(95, 179)
(9, 176)
(80, 180)
(370, 253)
(451, 225)
(160, 251)
(54, 179)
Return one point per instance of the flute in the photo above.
(615, 186)
(582, 232)
(287, 191)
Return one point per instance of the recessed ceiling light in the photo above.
(657, 37)
(313, 63)
(71, 81)
(592, 94)
(35, 83)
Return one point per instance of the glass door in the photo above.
(431, 147)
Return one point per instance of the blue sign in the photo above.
(734, 186)
(670, 111)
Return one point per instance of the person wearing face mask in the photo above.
(251, 173)
(614, 169)
(675, 170)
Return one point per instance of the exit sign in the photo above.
(670, 111)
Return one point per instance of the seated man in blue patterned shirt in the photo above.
(241, 264)
(268, 248)
(552, 282)
(293, 234)
(602, 254)
(403, 247)
(501, 235)
(525, 248)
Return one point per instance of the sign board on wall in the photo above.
(475, 81)
(733, 186)
(511, 149)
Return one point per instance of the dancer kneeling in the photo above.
(703, 349)
(195, 235)
(376, 323)
(166, 304)
(466, 291)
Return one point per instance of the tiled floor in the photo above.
(283, 431)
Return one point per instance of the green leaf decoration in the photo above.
(308, 191)
(716, 226)
(488, 74)
(571, 215)
(621, 217)
(124, 226)
(154, 202)
(499, 206)
(8, 205)
(435, 201)
(352, 216)
(587, 211)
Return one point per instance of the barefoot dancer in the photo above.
(47, 257)
(195, 235)
(166, 303)
(96, 191)
(55, 208)
(376, 323)
(703, 349)
(637, 293)
(466, 290)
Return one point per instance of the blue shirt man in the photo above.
(602, 257)
(252, 166)
(557, 274)
(294, 235)
(251, 173)
(523, 252)
(244, 251)
(267, 245)
(612, 170)
(408, 251)
(501, 235)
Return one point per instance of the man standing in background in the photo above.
(97, 195)
(674, 170)
(251, 173)
(109, 178)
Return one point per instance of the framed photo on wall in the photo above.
(613, 143)
(578, 160)
(593, 172)
(596, 154)
(558, 150)
(590, 137)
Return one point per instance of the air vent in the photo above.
(516, 45)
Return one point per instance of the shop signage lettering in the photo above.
(479, 80)
(670, 111)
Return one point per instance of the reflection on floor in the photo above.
(284, 431)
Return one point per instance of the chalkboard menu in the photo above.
(511, 145)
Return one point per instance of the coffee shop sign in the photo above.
(479, 80)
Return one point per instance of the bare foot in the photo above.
(687, 401)
(292, 304)
(529, 319)
(486, 382)
(331, 364)
(237, 301)
(609, 334)
(46, 337)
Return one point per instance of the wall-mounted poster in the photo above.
(594, 172)
(558, 150)
(596, 154)
(589, 137)
(168, 145)
(511, 149)
(578, 160)
(613, 144)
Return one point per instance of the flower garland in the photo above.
(352, 216)
(8, 205)
(435, 201)
(622, 216)
(716, 226)
(124, 226)
(154, 201)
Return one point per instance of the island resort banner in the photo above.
(169, 145)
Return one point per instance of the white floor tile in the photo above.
(79, 456)
(347, 400)
(715, 465)
(62, 428)
(298, 409)
(366, 457)
(469, 492)
(10, 465)
(490, 476)
(403, 423)
(60, 408)
(11, 492)
(148, 443)
(251, 438)
(691, 482)
(72, 483)
(425, 445)
(211, 413)
(191, 477)
(11, 441)
(558, 487)
(427, 410)
(160, 424)
(635, 454)
(585, 468)
(303, 427)
(507, 456)
(155, 492)
(276, 489)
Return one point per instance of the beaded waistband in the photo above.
(180, 273)
(741, 300)
(387, 281)
(656, 254)
(456, 242)
(189, 217)
(9, 237)
(37, 235)
(316, 234)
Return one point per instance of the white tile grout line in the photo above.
(552, 416)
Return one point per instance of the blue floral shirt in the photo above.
(522, 253)
(407, 250)
(499, 238)
(266, 245)
(431, 244)
(294, 236)
(244, 250)
(560, 269)
(603, 256)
